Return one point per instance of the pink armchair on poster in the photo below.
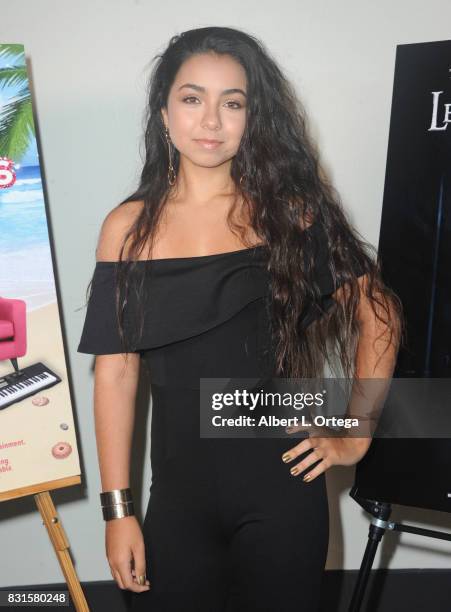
(13, 330)
(31, 379)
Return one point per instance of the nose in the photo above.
(211, 119)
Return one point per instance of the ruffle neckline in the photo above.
(183, 297)
(182, 260)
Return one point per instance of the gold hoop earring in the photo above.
(172, 177)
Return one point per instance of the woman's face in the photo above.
(207, 101)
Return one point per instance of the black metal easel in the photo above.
(380, 523)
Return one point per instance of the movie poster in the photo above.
(415, 252)
(415, 238)
(37, 436)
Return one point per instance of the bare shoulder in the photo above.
(114, 229)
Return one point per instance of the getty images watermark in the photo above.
(278, 407)
(297, 401)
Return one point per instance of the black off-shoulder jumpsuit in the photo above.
(227, 527)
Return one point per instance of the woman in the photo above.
(230, 260)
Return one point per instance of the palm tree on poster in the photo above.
(16, 115)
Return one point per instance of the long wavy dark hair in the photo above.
(278, 179)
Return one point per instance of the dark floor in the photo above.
(388, 591)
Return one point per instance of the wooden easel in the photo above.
(51, 520)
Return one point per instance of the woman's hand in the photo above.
(126, 553)
(327, 450)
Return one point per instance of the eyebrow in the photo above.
(202, 89)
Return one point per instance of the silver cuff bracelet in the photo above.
(117, 503)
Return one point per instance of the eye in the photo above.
(238, 105)
(189, 98)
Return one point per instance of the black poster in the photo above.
(415, 236)
(415, 254)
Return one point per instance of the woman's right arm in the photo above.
(115, 388)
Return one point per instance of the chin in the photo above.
(212, 164)
(208, 160)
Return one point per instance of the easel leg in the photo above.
(375, 535)
(61, 545)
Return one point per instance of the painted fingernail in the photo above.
(294, 470)
(141, 579)
(286, 458)
(306, 478)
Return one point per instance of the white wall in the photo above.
(89, 65)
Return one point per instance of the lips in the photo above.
(208, 144)
(207, 141)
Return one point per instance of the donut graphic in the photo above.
(61, 450)
(40, 400)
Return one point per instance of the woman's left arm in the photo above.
(375, 358)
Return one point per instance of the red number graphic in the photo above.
(7, 173)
